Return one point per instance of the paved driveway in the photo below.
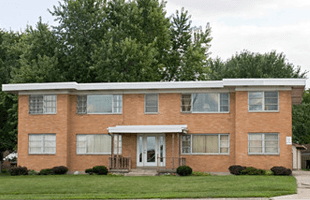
(303, 186)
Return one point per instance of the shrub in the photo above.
(281, 171)
(15, 171)
(89, 171)
(236, 169)
(60, 170)
(4, 171)
(100, 170)
(32, 172)
(268, 172)
(252, 171)
(184, 170)
(200, 174)
(46, 172)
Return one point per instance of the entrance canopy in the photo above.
(149, 129)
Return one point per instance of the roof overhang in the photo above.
(149, 129)
(296, 85)
(299, 146)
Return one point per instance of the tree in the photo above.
(8, 102)
(255, 65)
(188, 55)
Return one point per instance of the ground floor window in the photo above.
(96, 144)
(205, 144)
(263, 143)
(42, 143)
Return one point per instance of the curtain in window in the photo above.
(35, 144)
(255, 143)
(205, 144)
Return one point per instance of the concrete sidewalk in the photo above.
(303, 186)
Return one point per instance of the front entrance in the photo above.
(148, 147)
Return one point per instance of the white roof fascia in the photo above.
(265, 82)
(148, 129)
(40, 86)
(150, 85)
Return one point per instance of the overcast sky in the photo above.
(256, 25)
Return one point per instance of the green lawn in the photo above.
(108, 187)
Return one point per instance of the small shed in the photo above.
(297, 158)
(305, 157)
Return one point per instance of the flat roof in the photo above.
(14, 88)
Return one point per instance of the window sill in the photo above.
(99, 113)
(94, 154)
(42, 113)
(41, 153)
(205, 112)
(206, 154)
(263, 154)
(263, 111)
(151, 113)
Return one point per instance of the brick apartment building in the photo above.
(208, 125)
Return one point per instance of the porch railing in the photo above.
(169, 164)
(120, 162)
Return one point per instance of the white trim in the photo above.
(73, 86)
(219, 147)
(260, 89)
(263, 103)
(263, 144)
(148, 113)
(148, 129)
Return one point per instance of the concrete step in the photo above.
(142, 172)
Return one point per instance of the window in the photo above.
(263, 143)
(151, 103)
(96, 144)
(99, 104)
(42, 104)
(264, 101)
(205, 102)
(42, 143)
(205, 144)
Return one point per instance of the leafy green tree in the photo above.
(8, 102)
(188, 55)
(255, 65)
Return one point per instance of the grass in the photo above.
(109, 187)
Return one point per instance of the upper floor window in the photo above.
(264, 101)
(151, 103)
(42, 104)
(205, 144)
(42, 143)
(99, 104)
(205, 102)
(263, 143)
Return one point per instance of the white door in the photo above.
(148, 147)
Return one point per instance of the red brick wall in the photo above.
(66, 124)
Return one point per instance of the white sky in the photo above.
(256, 25)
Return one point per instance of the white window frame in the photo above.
(219, 145)
(43, 106)
(157, 103)
(263, 102)
(263, 144)
(105, 113)
(42, 143)
(102, 153)
(219, 103)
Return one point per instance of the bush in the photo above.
(184, 170)
(100, 170)
(32, 172)
(268, 172)
(46, 172)
(252, 171)
(60, 170)
(89, 171)
(281, 171)
(200, 174)
(236, 169)
(16, 171)
(4, 171)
